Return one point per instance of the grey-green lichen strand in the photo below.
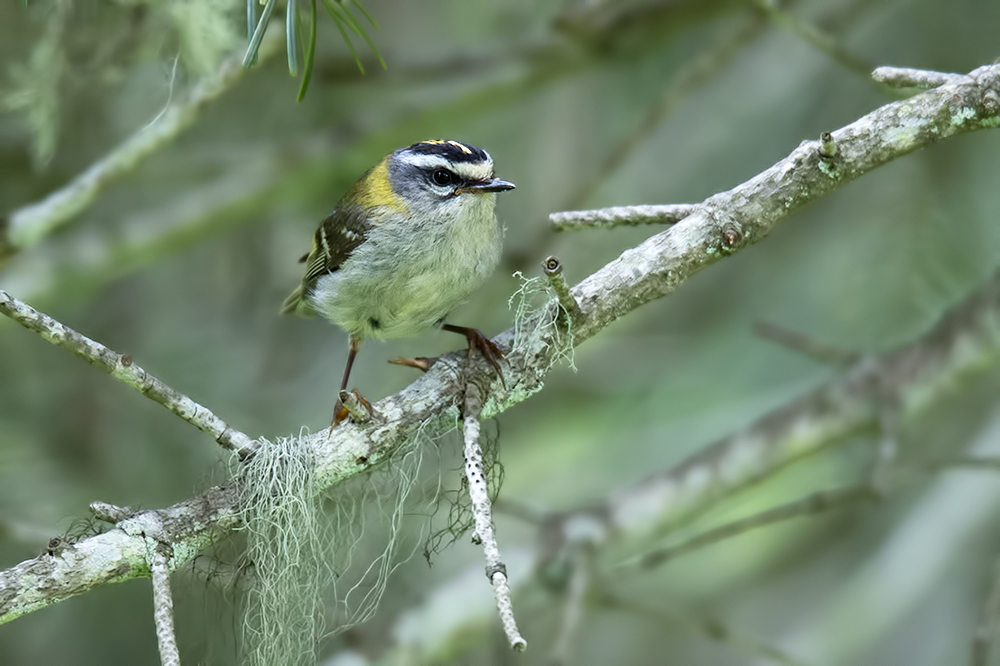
(117, 555)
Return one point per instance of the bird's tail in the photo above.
(296, 303)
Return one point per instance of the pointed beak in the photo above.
(488, 185)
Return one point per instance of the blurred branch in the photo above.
(723, 224)
(694, 74)
(12, 530)
(984, 463)
(818, 502)
(28, 225)
(121, 367)
(149, 235)
(964, 343)
(710, 628)
(815, 37)
(989, 622)
(576, 597)
(805, 345)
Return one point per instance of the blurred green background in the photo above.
(184, 263)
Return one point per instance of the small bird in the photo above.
(410, 241)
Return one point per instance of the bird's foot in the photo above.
(351, 405)
(482, 344)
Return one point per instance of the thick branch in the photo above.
(965, 342)
(121, 367)
(723, 224)
(117, 555)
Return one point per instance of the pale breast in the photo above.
(408, 274)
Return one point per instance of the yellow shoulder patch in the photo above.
(375, 189)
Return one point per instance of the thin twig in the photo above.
(887, 447)
(553, 270)
(904, 77)
(710, 628)
(121, 367)
(989, 622)
(576, 593)
(29, 224)
(807, 346)
(110, 513)
(697, 72)
(815, 37)
(618, 216)
(163, 608)
(984, 463)
(496, 571)
(818, 502)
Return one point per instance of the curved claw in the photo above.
(477, 341)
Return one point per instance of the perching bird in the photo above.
(410, 241)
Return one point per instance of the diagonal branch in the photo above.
(26, 226)
(723, 224)
(965, 343)
(814, 503)
(121, 367)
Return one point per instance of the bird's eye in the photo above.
(443, 177)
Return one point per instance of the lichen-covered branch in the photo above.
(496, 571)
(163, 609)
(904, 77)
(620, 216)
(966, 342)
(119, 554)
(121, 367)
(27, 225)
(723, 224)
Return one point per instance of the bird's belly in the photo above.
(400, 282)
(382, 305)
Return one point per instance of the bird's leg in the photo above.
(478, 341)
(339, 411)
